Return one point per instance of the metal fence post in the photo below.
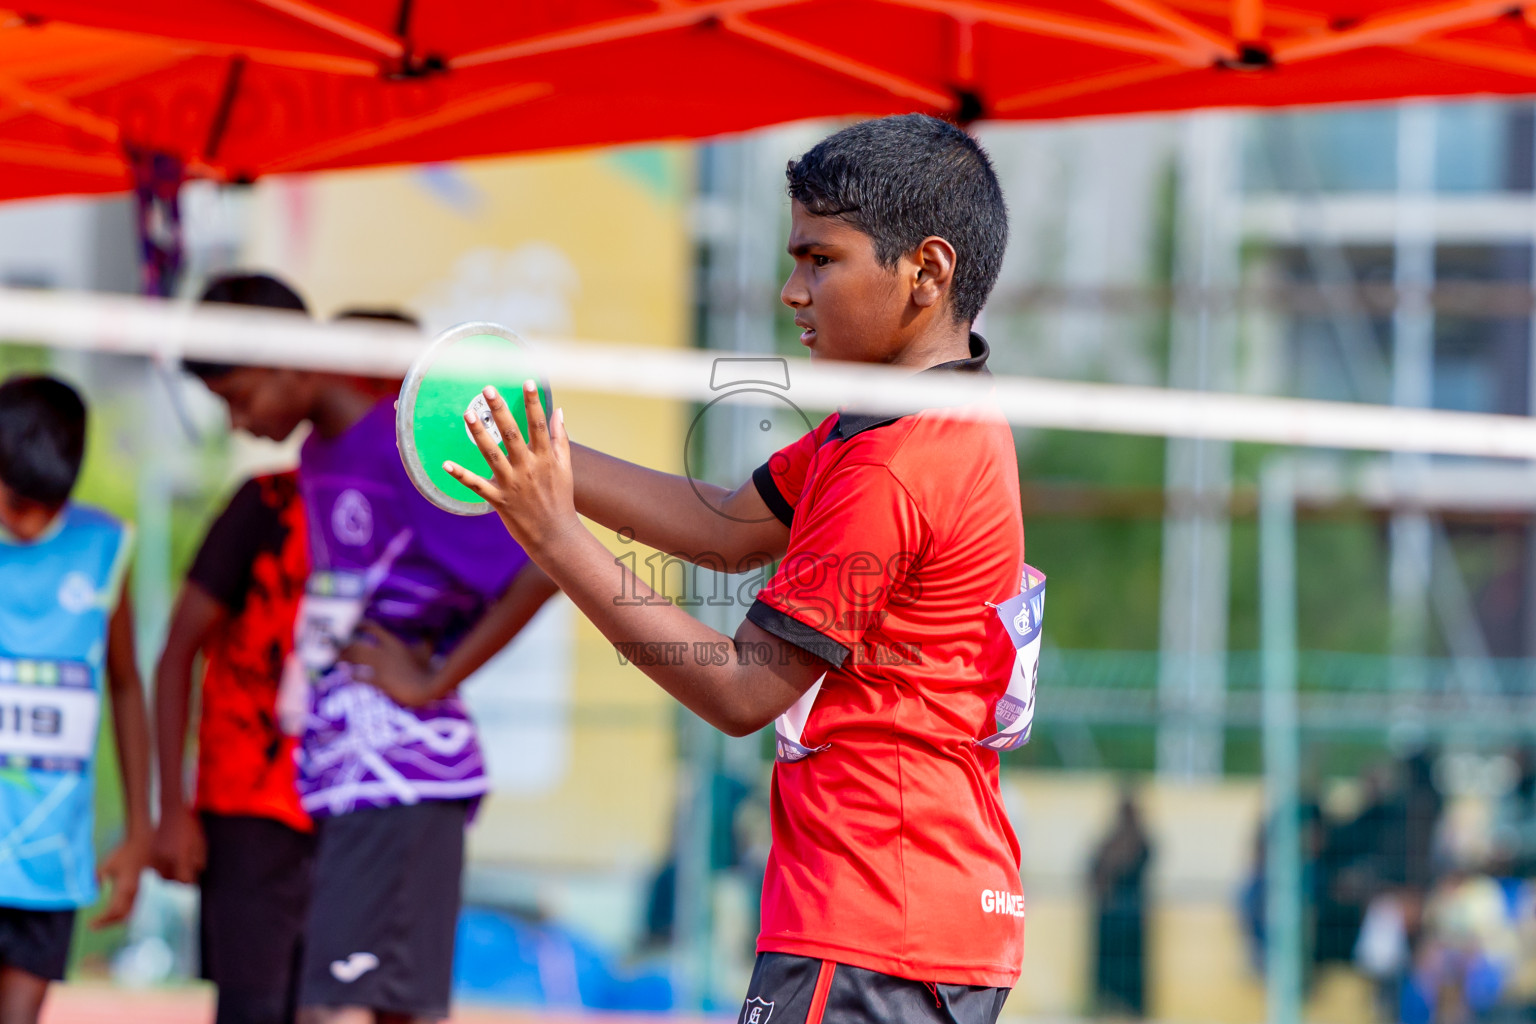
(1282, 854)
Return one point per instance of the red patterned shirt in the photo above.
(254, 562)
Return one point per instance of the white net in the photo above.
(170, 331)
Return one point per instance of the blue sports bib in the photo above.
(1023, 617)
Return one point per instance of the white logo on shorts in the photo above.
(353, 967)
(352, 518)
(77, 594)
(758, 1011)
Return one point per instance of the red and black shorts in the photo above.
(787, 989)
(255, 899)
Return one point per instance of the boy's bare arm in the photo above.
(130, 725)
(405, 674)
(179, 852)
(736, 684)
(665, 511)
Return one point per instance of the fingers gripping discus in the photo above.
(444, 383)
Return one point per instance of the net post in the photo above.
(693, 912)
(1283, 949)
(152, 583)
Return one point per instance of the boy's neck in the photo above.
(338, 407)
(944, 345)
(33, 534)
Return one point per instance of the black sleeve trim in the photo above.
(222, 566)
(782, 510)
(793, 631)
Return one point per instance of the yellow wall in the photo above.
(592, 245)
(1202, 838)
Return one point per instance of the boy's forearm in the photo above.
(131, 728)
(502, 621)
(659, 508)
(130, 724)
(195, 616)
(173, 687)
(672, 513)
(736, 695)
(534, 492)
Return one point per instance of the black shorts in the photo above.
(385, 909)
(255, 901)
(788, 989)
(36, 941)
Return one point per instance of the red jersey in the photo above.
(254, 562)
(891, 847)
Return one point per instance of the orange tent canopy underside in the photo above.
(242, 88)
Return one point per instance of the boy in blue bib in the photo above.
(65, 628)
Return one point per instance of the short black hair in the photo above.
(900, 180)
(391, 316)
(243, 290)
(42, 438)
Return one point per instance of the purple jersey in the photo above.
(381, 552)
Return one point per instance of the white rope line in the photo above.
(170, 331)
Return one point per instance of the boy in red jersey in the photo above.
(892, 891)
(243, 839)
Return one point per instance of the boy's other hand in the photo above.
(530, 485)
(180, 851)
(402, 672)
(119, 871)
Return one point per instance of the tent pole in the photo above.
(1400, 28)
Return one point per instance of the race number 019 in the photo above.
(37, 720)
(47, 721)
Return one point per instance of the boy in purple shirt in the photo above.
(404, 601)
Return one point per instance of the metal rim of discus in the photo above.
(405, 413)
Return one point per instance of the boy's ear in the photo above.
(933, 270)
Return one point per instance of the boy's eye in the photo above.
(821, 261)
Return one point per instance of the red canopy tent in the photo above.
(235, 89)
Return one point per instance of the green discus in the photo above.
(442, 385)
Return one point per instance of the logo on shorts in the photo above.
(757, 1011)
(353, 967)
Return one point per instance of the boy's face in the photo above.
(848, 306)
(264, 401)
(24, 518)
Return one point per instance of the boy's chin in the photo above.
(28, 527)
(822, 348)
(824, 353)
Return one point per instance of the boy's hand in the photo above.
(530, 485)
(379, 657)
(180, 850)
(119, 872)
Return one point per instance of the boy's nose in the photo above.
(792, 294)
